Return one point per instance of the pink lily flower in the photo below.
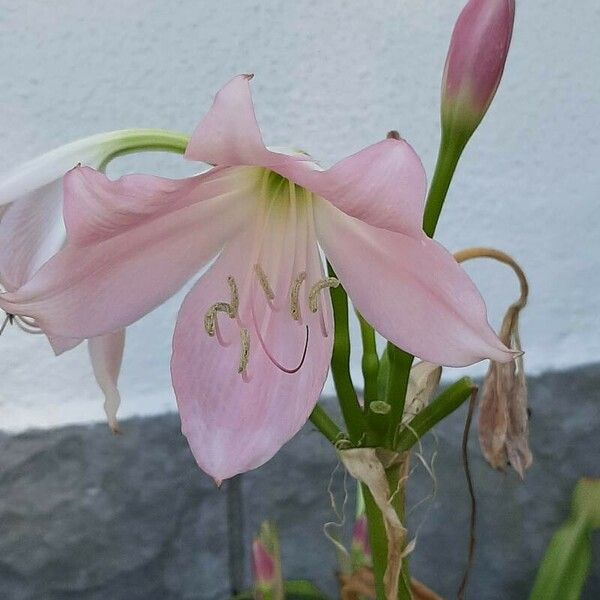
(254, 336)
(32, 231)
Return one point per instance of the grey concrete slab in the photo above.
(85, 515)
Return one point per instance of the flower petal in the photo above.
(52, 165)
(229, 133)
(97, 208)
(411, 290)
(95, 289)
(233, 425)
(31, 231)
(106, 354)
(383, 185)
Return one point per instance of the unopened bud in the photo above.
(266, 564)
(360, 550)
(475, 63)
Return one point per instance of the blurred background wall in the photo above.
(331, 77)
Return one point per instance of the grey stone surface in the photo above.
(88, 516)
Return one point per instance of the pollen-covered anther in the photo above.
(294, 294)
(244, 350)
(322, 284)
(210, 318)
(234, 303)
(264, 282)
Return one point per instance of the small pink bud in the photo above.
(266, 564)
(475, 62)
(360, 550)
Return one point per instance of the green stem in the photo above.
(148, 140)
(451, 148)
(377, 541)
(340, 364)
(395, 392)
(447, 402)
(370, 361)
(325, 424)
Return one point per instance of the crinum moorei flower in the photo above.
(32, 231)
(254, 335)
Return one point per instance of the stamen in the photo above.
(7, 320)
(294, 303)
(264, 282)
(234, 303)
(210, 318)
(27, 326)
(245, 349)
(268, 353)
(313, 297)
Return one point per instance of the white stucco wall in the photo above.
(331, 77)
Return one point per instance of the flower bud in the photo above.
(360, 550)
(475, 62)
(266, 564)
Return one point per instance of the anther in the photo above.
(264, 282)
(295, 292)
(210, 318)
(234, 303)
(245, 349)
(313, 297)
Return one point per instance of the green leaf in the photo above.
(566, 564)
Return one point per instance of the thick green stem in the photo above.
(325, 424)
(395, 392)
(340, 364)
(451, 148)
(447, 402)
(370, 361)
(148, 140)
(377, 541)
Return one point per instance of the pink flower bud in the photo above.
(266, 564)
(475, 62)
(360, 550)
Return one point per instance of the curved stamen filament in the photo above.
(294, 294)
(322, 284)
(264, 282)
(6, 321)
(28, 326)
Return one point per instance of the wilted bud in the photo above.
(503, 418)
(422, 383)
(266, 564)
(475, 63)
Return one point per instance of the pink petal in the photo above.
(97, 208)
(95, 289)
(229, 133)
(31, 231)
(106, 354)
(60, 345)
(383, 185)
(234, 425)
(411, 290)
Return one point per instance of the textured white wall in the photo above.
(331, 77)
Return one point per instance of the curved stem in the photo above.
(340, 363)
(325, 424)
(502, 257)
(148, 140)
(451, 148)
